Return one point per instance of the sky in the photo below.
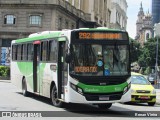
(132, 12)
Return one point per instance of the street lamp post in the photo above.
(156, 65)
(157, 34)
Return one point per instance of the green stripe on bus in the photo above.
(102, 89)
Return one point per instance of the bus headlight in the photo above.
(80, 90)
(125, 90)
(76, 88)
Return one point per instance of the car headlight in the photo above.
(153, 91)
(132, 91)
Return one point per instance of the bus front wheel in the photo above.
(105, 106)
(54, 98)
(24, 87)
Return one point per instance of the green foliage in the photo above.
(4, 71)
(148, 54)
(147, 71)
(134, 50)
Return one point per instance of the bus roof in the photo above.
(51, 34)
(39, 36)
(101, 29)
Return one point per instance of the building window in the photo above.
(9, 19)
(72, 27)
(35, 20)
(147, 36)
(60, 23)
(118, 17)
(66, 25)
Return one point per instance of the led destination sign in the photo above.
(100, 35)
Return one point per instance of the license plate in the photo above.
(144, 97)
(103, 98)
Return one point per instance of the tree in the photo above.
(134, 50)
(147, 56)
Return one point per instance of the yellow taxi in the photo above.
(141, 90)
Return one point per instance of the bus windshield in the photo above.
(99, 60)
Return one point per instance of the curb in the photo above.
(7, 81)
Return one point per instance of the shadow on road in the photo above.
(139, 104)
(85, 110)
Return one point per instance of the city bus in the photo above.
(85, 65)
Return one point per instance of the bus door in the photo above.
(36, 58)
(62, 68)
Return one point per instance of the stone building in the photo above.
(119, 14)
(144, 28)
(19, 18)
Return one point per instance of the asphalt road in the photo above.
(11, 99)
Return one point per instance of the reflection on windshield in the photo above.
(139, 80)
(99, 60)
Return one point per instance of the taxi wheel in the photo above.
(151, 103)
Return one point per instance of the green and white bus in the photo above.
(86, 65)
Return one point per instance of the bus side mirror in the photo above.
(68, 58)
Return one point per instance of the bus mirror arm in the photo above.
(68, 58)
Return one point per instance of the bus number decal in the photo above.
(84, 35)
(85, 69)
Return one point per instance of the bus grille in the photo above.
(95, 97)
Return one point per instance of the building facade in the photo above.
(144, 28)
(119, 14)
(155, 11)
(19, 18)
(99, 10)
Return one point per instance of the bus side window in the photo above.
(29, 52)
(19, 52)
(44, 47)
(14, 52)
(52, 51)
(24, 53)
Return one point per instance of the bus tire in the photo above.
(24, 87)
(54, 98)
(105, 106)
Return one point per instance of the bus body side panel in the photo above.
(45, 79)
(16, 76)
(20, 70)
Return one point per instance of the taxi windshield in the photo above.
(138, 79)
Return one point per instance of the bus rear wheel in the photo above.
(105, 106)
(54, 98)
(24, 87)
